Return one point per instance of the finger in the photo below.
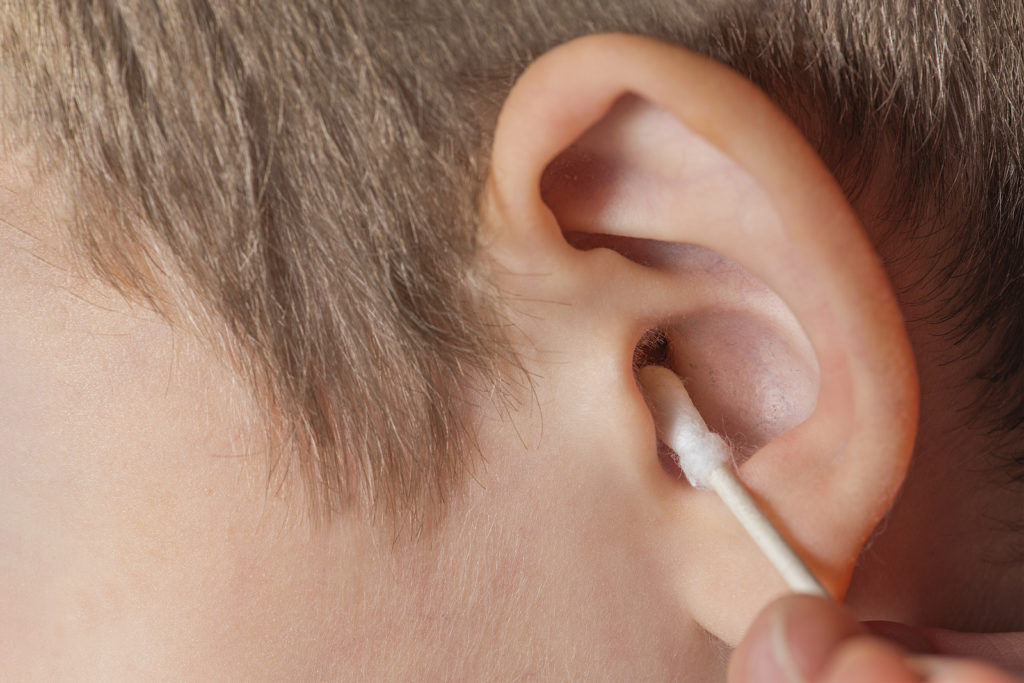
(865, 658)
(791, 641)
(949, 670)
(1003, 650)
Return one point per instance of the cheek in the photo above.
(561, 557)
(116, 482)
(753, 376)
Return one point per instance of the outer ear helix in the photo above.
(830, 278)
(829, 480)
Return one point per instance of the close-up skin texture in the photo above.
(320, 325)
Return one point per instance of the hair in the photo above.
(309, 171)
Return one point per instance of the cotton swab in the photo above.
(705, 460)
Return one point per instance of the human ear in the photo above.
(635, 186)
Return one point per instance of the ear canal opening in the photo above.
(652, 349)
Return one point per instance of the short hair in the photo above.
(309, 173)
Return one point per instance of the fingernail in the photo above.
(901, 634)
(780, 647)
(933, 668)
(804, 635)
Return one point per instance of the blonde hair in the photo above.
(309, 170)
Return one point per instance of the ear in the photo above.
(788, 334)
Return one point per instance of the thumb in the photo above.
(792, 640)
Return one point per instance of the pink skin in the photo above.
(139, 538)
(801, 638)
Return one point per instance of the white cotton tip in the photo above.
(698, 451)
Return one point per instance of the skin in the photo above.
(805, 638)
(138, 538)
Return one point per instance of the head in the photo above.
(320, 326)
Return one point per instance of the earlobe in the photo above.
(626, 138)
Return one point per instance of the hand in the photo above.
(804, 639)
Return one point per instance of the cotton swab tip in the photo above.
(698, 451)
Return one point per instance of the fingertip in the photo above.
(869, 659)
(949, 670)
(792, 640)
